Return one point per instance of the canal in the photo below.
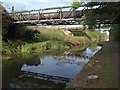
(46, 70)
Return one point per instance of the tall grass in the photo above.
(92, 35)
(55, 34)
(36, 39)
(34, 47)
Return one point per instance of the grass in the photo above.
(108, 72)
(36, 39)
(34, 47)
(44, 46)
(91, 34)
(51, 34)
(55, 34)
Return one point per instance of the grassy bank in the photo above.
(15, 47)
(58, 34)
(26, 39)
(108, 72)
(93, 35)
(31, 39)
(103, 65)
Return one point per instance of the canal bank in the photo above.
(104, 65)
(29, 39)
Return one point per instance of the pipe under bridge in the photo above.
(47, 15)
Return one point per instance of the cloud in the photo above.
(35, 4)
(42, 1)
(16, 1)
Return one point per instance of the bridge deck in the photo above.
(45, 15)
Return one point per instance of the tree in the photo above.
(76, 4)
(5, 23)
(90, 20)
(106, 11)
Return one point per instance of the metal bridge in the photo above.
(55, 15)
(47, 15)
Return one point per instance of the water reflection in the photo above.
(67, 68)
(90, 52)
(23, 71)
(64, 66)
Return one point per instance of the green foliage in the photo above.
(108, 71)
(5, 22)
(5, 25)
(23, 47)
(93, 35)
(26, 34)
(91, 4)
(50, 34)
(115, 29)
(89, 19)
(32, 35)
(106, 11)
(78, 33)
(76, 4)
(31, 39)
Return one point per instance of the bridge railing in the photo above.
(42, 16)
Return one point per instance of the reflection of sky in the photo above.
(89, 52)
(65, 67)
(68, 67)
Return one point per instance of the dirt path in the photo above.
(104, 64)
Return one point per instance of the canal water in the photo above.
(50, 70)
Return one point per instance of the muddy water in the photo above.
(50, 70)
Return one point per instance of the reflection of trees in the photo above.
(26, 82)
(61, 57)
(71, 60)
(76, 50)
(11, 68)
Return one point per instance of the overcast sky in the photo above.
(34, 4)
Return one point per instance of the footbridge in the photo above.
(55, 15)
(46, 15)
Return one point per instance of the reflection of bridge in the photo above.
(56, 14)
(55, 79)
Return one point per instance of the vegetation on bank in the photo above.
(92, 35)
(26, 39)
(20, 47)
(104, 68)
(108, 72)
(115, 32)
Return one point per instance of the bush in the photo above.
(78, 33)
(93, 35)
(27, 34)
